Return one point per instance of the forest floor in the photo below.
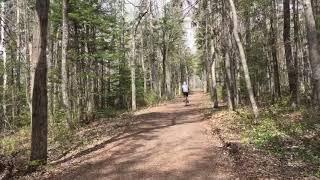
(173, 141)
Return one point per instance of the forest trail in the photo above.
(171, 141)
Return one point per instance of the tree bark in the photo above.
(296, 28)
(133, 72)
(27, 53)
(4, 58)
(204, 80)
(206, 51)
(243, 59)
(39, 87)
(144, 71)
(213, 75)
(313, 50)
(64, 65)
(292, 76)
(164, 66)
(229, 81)
(274, 45)
(18, 58)
(214, 85)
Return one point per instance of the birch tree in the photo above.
(243, 58)
(4, 59)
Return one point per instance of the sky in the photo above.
(188, 29)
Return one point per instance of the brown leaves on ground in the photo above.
(76, 141)
(248, 160)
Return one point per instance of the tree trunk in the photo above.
(292, 76)
(153, 62)
(30, 78)
(144, 71)
(296, 44)
(243, 59)
(206, 51)
(229, 79)
(27, 53)
(313, 50)
(214, 85)
(4, 57)
(274, 45)
(64, 73)
(204, 80)
(89, 82)
(18, 58)
(238, 79)
(39, 87)
(164, 66)
(51, 65)
(133, 72)
(213, 76)
(168, 80)
(164, 55)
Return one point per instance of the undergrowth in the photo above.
(12, 143)
(291, 135)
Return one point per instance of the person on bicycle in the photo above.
(185, 90)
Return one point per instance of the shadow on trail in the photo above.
(118, 169)
(135, 152)
(145, 123)
(123, 170)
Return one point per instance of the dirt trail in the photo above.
(170, 142)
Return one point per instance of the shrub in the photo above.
(151, 98)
